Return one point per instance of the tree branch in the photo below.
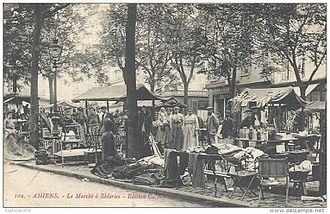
(317, 67)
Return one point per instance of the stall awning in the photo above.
(316, 106)
(14, 98)
(114, 93)
(264, 96)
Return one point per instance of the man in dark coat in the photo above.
(228, 126)
(249, 120)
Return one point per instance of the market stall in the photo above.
(81, 142)
(278, 128)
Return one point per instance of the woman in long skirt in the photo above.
(176, 137)
(190, 130)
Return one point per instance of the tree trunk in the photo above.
(152, 89)
(133, 135)
(303, 89)
(34, 111)
(185, 93)
(232, 84)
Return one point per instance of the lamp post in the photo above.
(55, 51)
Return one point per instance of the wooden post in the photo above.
(323, 154)
(108, 107)
(86, 106)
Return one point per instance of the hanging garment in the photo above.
(171, 164)
(196, 169)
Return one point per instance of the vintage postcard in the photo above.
(164, 105)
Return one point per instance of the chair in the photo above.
(273, 168)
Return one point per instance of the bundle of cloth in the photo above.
(145, 171)
(122, 168)
(242, 158)
(305, 166)
(16, 147)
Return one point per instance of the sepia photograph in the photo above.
(213, 105)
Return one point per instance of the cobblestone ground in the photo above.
(271, 199)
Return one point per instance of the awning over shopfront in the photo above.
(264, 96)
(316, 106)
(114, 93)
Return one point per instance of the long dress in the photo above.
(190, 127)
(161, 134)
(176, 135)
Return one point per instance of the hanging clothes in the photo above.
(196, 170)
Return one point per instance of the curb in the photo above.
(192, 197)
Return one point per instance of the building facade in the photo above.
(218, 89)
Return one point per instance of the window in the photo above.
(194, 104)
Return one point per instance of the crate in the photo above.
(298, 175)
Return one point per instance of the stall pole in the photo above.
(279, 117)
(86, 107)
(108, 107)
(323, 155)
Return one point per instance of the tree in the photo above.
(186, 40)
(34, 115)
(296, 34)
(27, 66)
(133, 135)
(152, 54)
(230, 46)
(62, 19)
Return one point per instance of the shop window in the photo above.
(202, 104)
(194, 104)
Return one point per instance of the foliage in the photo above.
(18, 27)
(296, 32)
(231, 30)
(152, 53)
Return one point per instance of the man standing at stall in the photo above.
(102, 114)
(228, 126)
(212, 124)
(249, 120)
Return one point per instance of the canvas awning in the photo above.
(14, 98)
(171, 102)
(316, 106)
(114, 93)
(62, 104)
(264, 96)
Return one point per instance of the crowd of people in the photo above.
(176, 131)
(171, 127)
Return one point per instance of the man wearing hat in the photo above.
(249, 120)
(228, 125)
(212, 124)
(102, 114)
